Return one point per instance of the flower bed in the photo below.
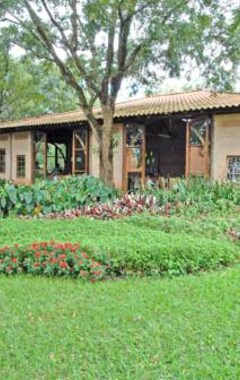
(52, 259)
(128, 205)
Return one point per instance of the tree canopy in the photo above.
(29, 87)
(97, 43)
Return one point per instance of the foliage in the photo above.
(142, 244)
(174, 255)
(30, 87)
(97, 44)
(53, 196)
(127, 205)
(87, 196)
(199, 194)
(8, 197)
(52, 259)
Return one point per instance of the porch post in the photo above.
(45, 155)
(187, 149)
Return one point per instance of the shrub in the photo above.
(205, 195)
(163, 253)
(53, 196)
(52, 259)
(8, 197)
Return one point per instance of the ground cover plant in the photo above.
(142, 244)
(52, 259)
(184, 328)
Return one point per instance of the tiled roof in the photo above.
(152, 105)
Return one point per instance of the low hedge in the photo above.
(169, 254)
(98, 258)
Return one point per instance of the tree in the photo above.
(29, 88)
(97, 43)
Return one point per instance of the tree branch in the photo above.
(66, 72)
(72, 50)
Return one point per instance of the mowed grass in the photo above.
(139, 229)
(184, 328)
(24, 231)
(138, 328)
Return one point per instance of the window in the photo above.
(134, 156)
(233, 169)
(21, 166)
(2, 161)
(134, 147)
(198, 132)
(80, 151)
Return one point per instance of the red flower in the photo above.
(97, 272)
(62, 256)
(63, 264)
(14, 260)
(37, 254)
(85, 256)
(54, 260)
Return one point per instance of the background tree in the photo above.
(97, 43)
(29, 87)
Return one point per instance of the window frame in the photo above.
(2, 161)
(233, 176)
(19, 175)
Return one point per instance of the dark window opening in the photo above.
(2, 161)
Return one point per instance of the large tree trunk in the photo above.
(106, 149)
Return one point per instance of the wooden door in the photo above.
(198, 147)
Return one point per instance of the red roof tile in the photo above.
(152, 105)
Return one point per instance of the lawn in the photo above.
(182, 328)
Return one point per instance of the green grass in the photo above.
(186, 328)
(141, 243)
(24, 231)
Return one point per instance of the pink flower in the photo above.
(63, 264)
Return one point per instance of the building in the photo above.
(161, 136)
